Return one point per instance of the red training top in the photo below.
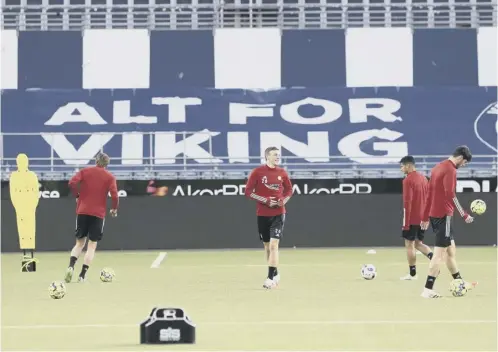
(442, 200)
(94, 185)
(414, 197)
(264, 183)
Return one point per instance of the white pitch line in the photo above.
(303, 265)
(283, 322)
(158, 260)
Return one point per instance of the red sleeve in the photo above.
(113, 189)
(407, 203)
(75, 181)
(449, 183)
(287, 187)
(428, 201)
(250, 191)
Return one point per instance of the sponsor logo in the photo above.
(225, 190)
(45, 194)
(301, 189)
(477, 186)
(344, 188)
(486, 126)
(169, 335)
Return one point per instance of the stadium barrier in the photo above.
(356, 214)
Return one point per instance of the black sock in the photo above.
(456, 275)
(84, 269)
(72, 261)
(271, 272)
(413, 270)
(276, 272)
(430, 282)
(430, 255)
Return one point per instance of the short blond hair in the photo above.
(102, 159)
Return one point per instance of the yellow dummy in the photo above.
(24, 197)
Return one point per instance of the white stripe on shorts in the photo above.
(448, 226)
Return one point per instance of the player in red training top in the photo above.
(414, 196)
(441, 202)
(270, 186)
(94, 185)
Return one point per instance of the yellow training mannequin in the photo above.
(24, 196)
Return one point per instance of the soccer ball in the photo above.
(368, 271)
(478, 206)
(107, 275)
(458, 288)
(57, 290)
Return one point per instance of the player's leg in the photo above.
(273, 277)
(424, 249)
(264, 235)
(276, 232)
(411, 254)
(95, 233)
(436, 261)
(267, 250)
(419, 243)
(452, 265)
(443, 241)
(81, 233)
(89, 255)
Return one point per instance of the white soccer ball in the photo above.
(57, 290)
(368, 271)
(107, 275)
(458, 288)
(478, 207)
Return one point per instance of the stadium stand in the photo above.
(205, 14)
(78, 15)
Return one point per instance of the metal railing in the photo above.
(325, 14)
(47, 162)
(184, 168)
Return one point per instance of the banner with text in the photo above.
(136, 127)
(196, 188)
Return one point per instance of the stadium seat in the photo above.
(189, 175)
(208, 14)
(301, 174)
(166, 175)
(348, 174)
(371, 174)
(484, 173)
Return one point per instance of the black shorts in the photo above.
(271, 227)
(414, 233)
(443, 228)
(89, 226)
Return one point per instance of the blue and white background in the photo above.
(381, 92)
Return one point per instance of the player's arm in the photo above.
(449, 183)
(250, 190)
(425, 216)
(74, 183)
(407, 203)
(287, 184)
(113, 189)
